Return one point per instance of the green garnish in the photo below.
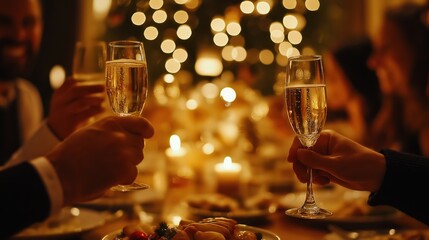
(164, 231)
(258, 236)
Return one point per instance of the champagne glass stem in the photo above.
(309, 197)
(309, 209)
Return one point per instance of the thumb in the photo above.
(313, 159)
(136, 125)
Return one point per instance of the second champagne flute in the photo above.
(127, 85)
(89, 62)
(306, 109)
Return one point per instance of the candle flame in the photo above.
(227, 161)
(176, 220)
(175, 143)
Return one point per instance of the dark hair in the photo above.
(412, 21)
(352, 58)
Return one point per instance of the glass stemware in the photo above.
(306, 107)
(127, 85)
(89, 62)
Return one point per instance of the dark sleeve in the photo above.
(24, 199)
(404, 185)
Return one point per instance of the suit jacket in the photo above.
(404, 185)
(24, 199)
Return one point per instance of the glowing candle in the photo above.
(178, 162)
(175, 151)
(228, 176)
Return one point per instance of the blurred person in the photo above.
(401, 61)
(393, 178)
(80, 168)
(354, 97)
(21, 111)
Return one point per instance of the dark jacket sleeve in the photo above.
(24, 199)
(404, 185)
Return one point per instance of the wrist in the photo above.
(53, 129)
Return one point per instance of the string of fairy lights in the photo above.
(226, 29)
(172, 29)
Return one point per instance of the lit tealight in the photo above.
(176, 149)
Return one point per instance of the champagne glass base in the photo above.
(314, 213)
(128, 188)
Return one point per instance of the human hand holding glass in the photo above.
(306, 106)
(127, 85)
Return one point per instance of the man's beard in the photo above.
(11, 68)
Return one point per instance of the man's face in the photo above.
(20, 36)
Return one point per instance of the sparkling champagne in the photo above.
(89, 78)
(126, 86)
(307, 110)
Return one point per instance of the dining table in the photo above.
(287, 228)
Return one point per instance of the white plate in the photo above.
(121, 200)
(389, 234)
(266, 235)
(339, 202)
(69, 222)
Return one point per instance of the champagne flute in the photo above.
(306, 107)
(89, 62)
(127, 85)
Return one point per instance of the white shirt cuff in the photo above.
(40, 143)
(52, 182)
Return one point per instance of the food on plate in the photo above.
(221, 203)
(213, 202)
(218, 228)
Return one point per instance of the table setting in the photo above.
(217, 155)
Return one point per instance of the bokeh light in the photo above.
(180, 55)
(263, 8)
(220, 39)
(184, 32)
(150, 33)
(57, 76)
(156, 4)
(168, 46)
(159, 16)
(218, 24)
(138, 18)
(294, 37)
(181, 16)
(247, 7)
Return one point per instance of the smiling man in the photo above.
(24, 133)
(21, 28)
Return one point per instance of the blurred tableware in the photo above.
(255, 209)
(362, 234)
(70, 221)
(119, 200)
(351, 209)
(376, 234)
(127, 86)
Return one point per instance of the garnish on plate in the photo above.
(218, 228)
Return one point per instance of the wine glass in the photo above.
(89, 62)
(306, 107)
(88, 67)
(127, 85)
